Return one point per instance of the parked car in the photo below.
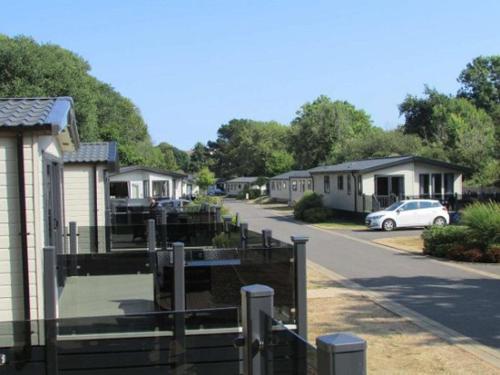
(172, 205)
(409, 213)
(215, 191)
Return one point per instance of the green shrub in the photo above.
(254, 193)
(308, 201)
(484, 221)
(222, 241)
(207, 199)
(316, 215)
(439, 240)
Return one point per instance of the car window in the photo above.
(436, 204)
(426, 204)
(410, 206)
(393, 206)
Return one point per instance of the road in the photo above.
(457, 298)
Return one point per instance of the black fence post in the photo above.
(341, 354)
(151, 235)
(163, 229)
(243, 235)
(50, 308)
(237, 219)
(73, 244)
(267, 236)
(256, 311)
(299, 247)
(179, 308)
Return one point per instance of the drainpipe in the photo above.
(96, 229)
(355, 192)
(23, 224)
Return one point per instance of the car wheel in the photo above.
(388, 225)
(440, 221)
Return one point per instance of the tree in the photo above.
(278, 162)
(321, 127)
(205, 178)
(250, 148)
(31, 69)
(168, 155)
(481, 82)
(199, 158)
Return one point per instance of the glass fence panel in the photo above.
(288, 353)
(198, 342)
(214, 277)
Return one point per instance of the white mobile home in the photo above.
(137, 182)
(86, 192)
(34, 133)
(371, 184)
(239, 184)
(291, 186)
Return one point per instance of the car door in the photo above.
(426, 213)
(407, 215)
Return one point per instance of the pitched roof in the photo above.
(134, 168)
(97, 152)
(243, 180)
(53, 114)
(369, 165)
(292, 174)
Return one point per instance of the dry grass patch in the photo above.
(395, 345)
(413, 244)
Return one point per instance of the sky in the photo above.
(191, 66)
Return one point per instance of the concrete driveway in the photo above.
(458, 298)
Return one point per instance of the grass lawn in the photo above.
(413, 244)
(395, 345)
(340, 224)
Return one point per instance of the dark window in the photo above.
(410, 206)
(326, 184)
(437, 183)
(118, 189)
(382, 186)
(426, 204)
(360, 185)
(424, 185)
(340, 182)
(294, 185)
(145, 188)
(449, 179)
(348, 184)
(309, 184)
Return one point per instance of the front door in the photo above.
(53, 203)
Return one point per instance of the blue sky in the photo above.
(191, 66)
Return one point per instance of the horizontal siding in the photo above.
(78, 194)
(11, 277)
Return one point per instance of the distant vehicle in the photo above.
(409, 213)
(215, 191)
(172, 205)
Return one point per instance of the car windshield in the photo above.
(393, 206)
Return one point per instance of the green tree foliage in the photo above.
(199, 158)
(205, 178)
(322, 126)
(169, 160)
(31, 69)
(251, 148)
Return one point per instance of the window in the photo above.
(302, 185)
(424, 182)
(284, 185)
(272, 185)
(426, 204)
(294, 185)
(410, 206)
(340, 182)
(326, 184)
(145, 188)
(360, 185)
(437, 183)
(309, 184)
(449, 179)
(118, 189)
(159, 189)
(349, 188)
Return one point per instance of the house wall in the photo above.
(337, 199)
(279, 189)
(342, 200)
(79, 203)
(234, 188)
(302, 188)
(137, 177)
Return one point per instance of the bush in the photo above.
(308, 201)
(254, 193)
(316, 215)
(458, 243)
(207, 199)
(484, 221)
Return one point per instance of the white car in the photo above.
(409, 213)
